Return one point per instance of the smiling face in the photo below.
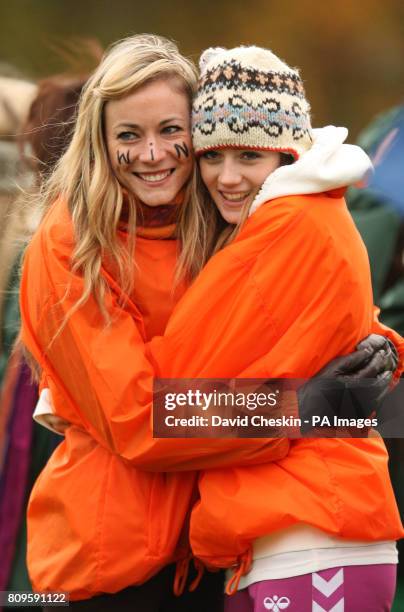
(233, 177)
(148, 139)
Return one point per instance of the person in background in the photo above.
(16, 96)
(41, 139)
(378, 211)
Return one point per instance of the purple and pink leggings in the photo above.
(355, 588)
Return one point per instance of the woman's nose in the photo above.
(151, 151)
(229, 174)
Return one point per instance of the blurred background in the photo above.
(351, 54)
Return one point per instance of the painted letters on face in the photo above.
(141, 130)
(123, 158)
(181, 150)
(151, 152)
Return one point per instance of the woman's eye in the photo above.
(127, 136)
(171, 129)
(210, 155)
(250, 155)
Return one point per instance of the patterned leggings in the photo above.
(355, 588)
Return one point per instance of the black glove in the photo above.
(352, 386)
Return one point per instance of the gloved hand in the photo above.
(352, 386)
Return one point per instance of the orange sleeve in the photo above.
(275, 297)
(282, 305)
(43, 383)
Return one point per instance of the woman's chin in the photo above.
(232, 217)
(156, 197)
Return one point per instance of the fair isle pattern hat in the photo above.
(249, 98)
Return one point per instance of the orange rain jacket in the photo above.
(289, 294)
(97, 522)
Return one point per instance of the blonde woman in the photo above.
(124, 234)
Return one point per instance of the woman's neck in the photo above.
(158, 222)
(156, 216)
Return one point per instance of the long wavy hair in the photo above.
(83, 177)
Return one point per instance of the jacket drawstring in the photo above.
(181, 575)
(242, 568)
(200, 568)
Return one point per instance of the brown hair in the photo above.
(50, 122)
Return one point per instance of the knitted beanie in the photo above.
(249, 98)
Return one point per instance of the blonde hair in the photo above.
(84, 179)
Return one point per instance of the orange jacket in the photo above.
(97, 522)
(289, 294)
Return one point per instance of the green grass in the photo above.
(398, 605)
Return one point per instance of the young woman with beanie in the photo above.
(316, 529)
(97, 284)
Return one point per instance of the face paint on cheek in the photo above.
(151, 152)
(123, 158)
(181, 150)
